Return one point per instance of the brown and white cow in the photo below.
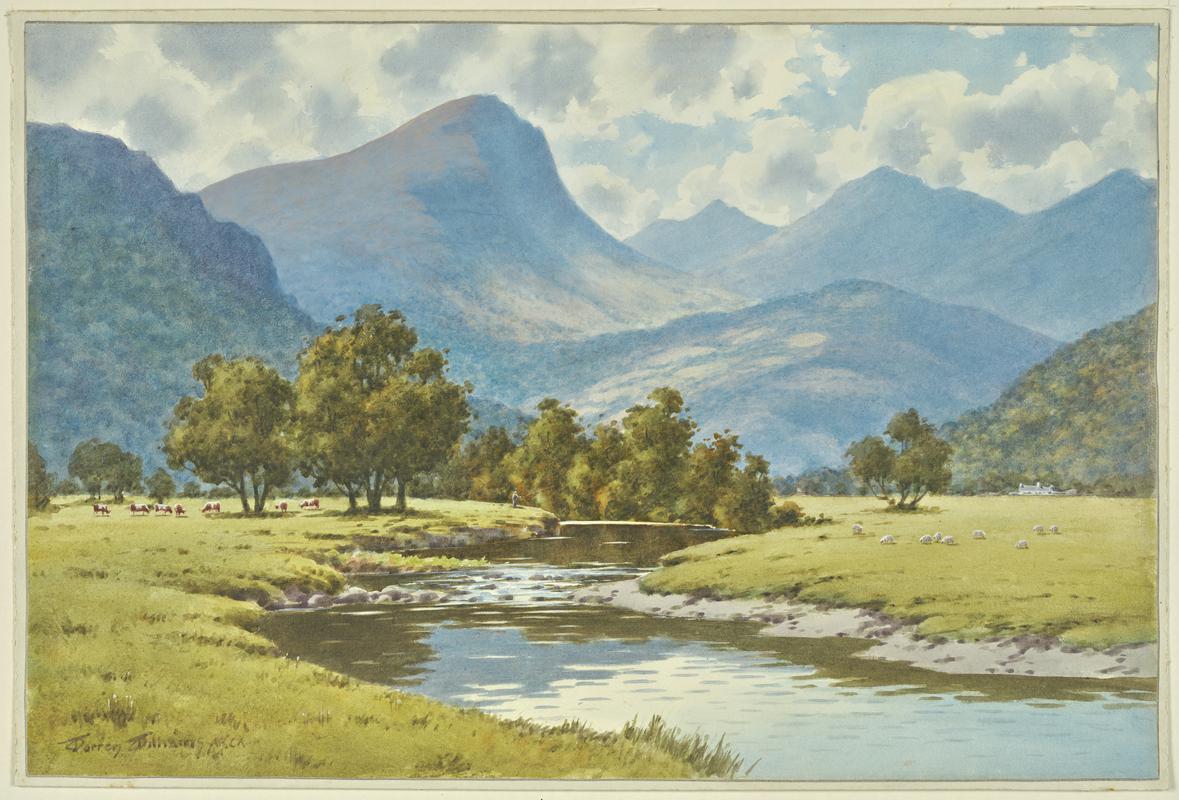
(312, 503)
(160, 508)
(281, 506)
(179, 510)
(139, 508)
(214, 507)
(101, 509)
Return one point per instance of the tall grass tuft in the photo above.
(716, 760)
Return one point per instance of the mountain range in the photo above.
(460, 219)
(1079, 264)
(799, 338)
(129, 282)
(798, 378)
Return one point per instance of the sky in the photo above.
(645, 121)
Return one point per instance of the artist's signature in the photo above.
(150, 740)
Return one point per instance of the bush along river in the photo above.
(521, 638)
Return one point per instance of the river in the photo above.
(508, 640)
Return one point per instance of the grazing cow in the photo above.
(980, 535)
(281, 507)
(1054, 529)
(101, 510)
(312, 503)
(179, 510)
(211, 507)
(139, 508)
(926, 539)
(1022, 544)
(1038, 529)
(937, 537)
(163, 509)
(857, 529)
(949, 540)
(887, 539)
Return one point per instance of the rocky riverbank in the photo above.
(895, 641)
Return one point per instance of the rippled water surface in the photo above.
(509, 641)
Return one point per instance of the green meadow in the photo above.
(1091, 585)
(142, 659)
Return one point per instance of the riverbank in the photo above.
(894, 641)
(1091, 585)
(143, 659)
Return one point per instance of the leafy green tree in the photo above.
(160, 485)
(89, 465)
(190, 489)
(39, 483)
(66, 487)
(657, 440)
(372, 410)
(125, 475)
(238, 433)
(485, 458)
(97, 464)
(540, 466)
(711, 470)
(593, 478)
(746, 505)
(917, 465)
(872, 462)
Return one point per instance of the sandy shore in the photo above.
(894, 641)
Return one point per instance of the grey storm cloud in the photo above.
(334, 120)
(56, 52)
(427, 59)
(217, 51)
(157, 128)
(686, 61)
(560, 69)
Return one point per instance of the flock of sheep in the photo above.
(938, 538)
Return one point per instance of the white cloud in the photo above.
(1084, 32)
(980, 31)
(611, 199)
(638, 143)
(1021, 60)
(1152, 69)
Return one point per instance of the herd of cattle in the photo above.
(213, 507)
(937, 538)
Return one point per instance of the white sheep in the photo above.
(949, 540)
(937, 537)
(1054, 529)
(857, 529)
(926, 539)
(980, 534)
(1038, 529)
(1022, 544)
(887, 539)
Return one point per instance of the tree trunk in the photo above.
(373, 489)
(260, 501)
(241, 492)
(401, 495)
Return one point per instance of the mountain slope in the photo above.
(129, 283)
(1086, 261)
(1086, 415)
(800, 377)
(459, 219)
(702, 242)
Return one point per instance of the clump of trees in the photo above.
(367, 412)
(646, 466)
(99, 465)
(912, 464)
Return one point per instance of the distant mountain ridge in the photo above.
(798, 378)
(459, 219)
(129, 283)
(703, 242)
(1086, 415)
(1083, 262)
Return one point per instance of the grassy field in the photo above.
(141, 661)
(1092, 585)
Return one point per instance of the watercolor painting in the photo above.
(711, 402)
